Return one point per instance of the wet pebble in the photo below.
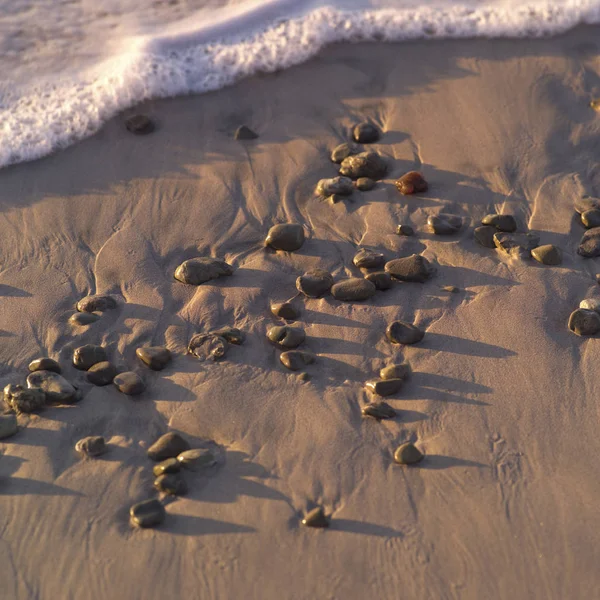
(169, 445)
(81, 319)
(24, 400)
(155, 357)
(444, 224)
(547, 254)
(501, 222)
(101, 373)
(401, 332)
(197, 271)
(367, 259)
(365, 133)
(170, 465)
(405, 230)
(408, 454)
(384, 387)
(208, 346)
(591, 218)
(380, 279)
(412, 182)
(96, 303)
(285, 236)
(296, 360)
(57, 389)
(93, 445)
(286, 336)
(314, 283)
(591, 304)
(197, 459)
(584, 204)
(397, 371)
(516, 244)
(171, 484)
(353, 290)
(584, 322)
(285, 310)
(589, 246)
(365, 164)
(244, 133)
(139, 124)
(365, 184)
(341, 186)
(8, 425)
(378, 410)
(414, 268)
(339, 153)
(315, 518)
(129, 383)
(148, 513)
(44, 364)
(87, 356)
(484, 236)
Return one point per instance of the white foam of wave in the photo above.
(201, 57)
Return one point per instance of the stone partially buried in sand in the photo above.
(87, 356)
(353, 290)
(171, 484)
(139, 124)
(81, 319)
(584, 322)
(397, 371)
(384, 387)
(315, 518)
(285, 236)
(102, 373)
(197, 459)
(405, 230)
(170, 465)
(367, 259)
(589, 246)
(8, 425)
(378, 410)
(57, 389)
(44, 364)
(414, 268)
(244, 133)
(484, 236)
(197, 271)
(366, 133)
(340, 186)
(296, 360)
(516, 244)
(500, 222)
(408, 454)
(401, 332)
(24, 400)
(96, 303)
(155, 357)
(169, 445)
(286, 336)
(129, 383)
(285, 310)
(412, 182)
(339, 153)
(92, 446)
(444, 224)
(547, 254)
(380, 279)
(365, 184)
(591, 218)
(365, 164)
(208, 346)
(148, 513)
(314, 283)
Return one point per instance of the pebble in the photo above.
(169, 445)
(207, 345)
(93, 445)
(591, 304)
(378, 410)
(87, 356)
(96, 303)
(314, 283)
(365, 164)
(412, 182)
(243, 132)
(340, 186)
(24, 400)
(148, 513)
(339, 153)
(584, 322)
(401, 332)
(296, 360)
(501, 222)
(380, 279)
(516, 244)
(365, 184)
(285, 310)
(444, 224)
(415, 268)
(171, 484)
(408, 454)
(129, 383)
(384, 387)
(591, 218)
(335, 198)
(81, 319)
(286, 336)
(8, 425)
(139, 124)
(285, 236)
(197, 459)
(589, 246)
(58, 390)
(547, 254)
(406, 230)
(353, 290)
(44, 364)
(170, 465)
(398, 371)
(584, 204)
(155, 357)
(197, 271)
(233, 335)
(366, 133)
(315, 518)
(484, 235)
(101, 373)
(367, 259)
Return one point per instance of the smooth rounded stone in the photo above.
(398, 371)
(339, 153)
(405, 230)
(401, 332)
(414, 268)
(285, 236)
(285, 310)
(148, 513)
(314, 283)
(58, 390)
(378, 410)
(170, 465)
(547, 254)
(171, 484)
(286, 336)
(87, 356)
(93, 445)
(354, 289)
(591, 218)
(315, 518)
(139, 124)
(129, 383)
(384, 387)
(155, 357)
(296, 360)
(589, 246)
(243, 132)
(584, 204)
(233, 335)
(588, 304)
(501, 222)
(367, 259)
(365, 184)
(408, 454)
(380, 279)
(208, 346)
(484, 236)
(516, 244)
(444, 224)
(584, 322)
(81, 319)
(8, 425)
(412, 182)
(96, 303)
(366, 133)
(169, 445)
(197, 459)
(340, 186)
(197, 271)
(101, 373)
(24, 400)
(365, 164)
(44, 364)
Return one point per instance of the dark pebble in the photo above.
(81, 319)
(547, 254)
(314, 283)
(484, 235)
(86, 356)
(315, 518)
(411, 183)
(444, 224)
(365, 184)
(169, 445)
(129, 383)
(171, 484)
(92, 446)
(408, 454)
(286, 336)
(170, 465)
(285, 310)
(400, 332)
(339, 153)
(584, 204)
(378, 410)
(243, 132)
(398, 371)
(415, 268)
(148, 513)
(366, 133)
(380, 279)
(367, 259)
(24, 400)
(101, 373)
(197, 271)
(296, 360)
(96, 303)
(501, 222)
(516, 244)
(384, 387)
(589, 246)
(58, 390)
(353, 290)
(365, 164)
(155, 357)
(591, 218)
(406, 230)
(197, 459)
(340, 186)
(207, 345)
(139, 124)
(584, 322)
(285, 236)
(44, 364)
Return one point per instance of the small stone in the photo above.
(501, 222)
(207, 345)
(139, 124)
(412, 182)
(584, 322)
(169, 445)
(286, 336)
(405, 230)
(44, 364)
(384, 387)
(129, 383)
(584, 204)
(303, 377)
(58, 390)
(367, 259)
(591, 218)
(589, 246)
(171, 484)
(365, 164)
(408, 454)
(335, 198)
(401, 332)
(451, 289)
(398, 371)
(365, 184)
(285, 236)
(340, 186)
(93, 445)
(444, 224)
(197, 271)
(96, 303)
(415, 268)
(148, 513)
(86, 356)
(170, 465)
(380, 279)
(296, 360)
(285, 310)
(155, 357)
(244, 133)
(366, 133)
(547, 254)
(8, 425)
(24, 400)
(484, 236)
(101, 373)
(197, 459)
(339, 153)
(233, 335)
(588, 304)
(314, 283)
(378, 410)
(82, 319)
(516, 244)
(315, 518)
(353, 290)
